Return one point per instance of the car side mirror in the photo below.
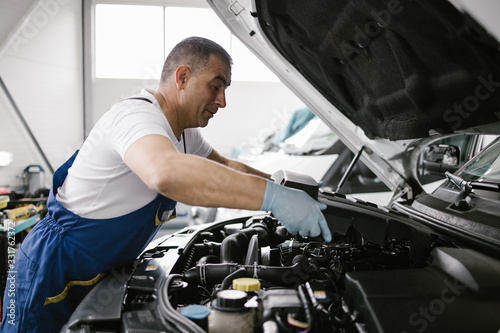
(439, 158)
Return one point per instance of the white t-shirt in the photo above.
(99, 184)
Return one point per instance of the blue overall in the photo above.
(65, 255)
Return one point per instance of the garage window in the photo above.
(128, 40)
(132, 41)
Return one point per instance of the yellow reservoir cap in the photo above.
(246, 284)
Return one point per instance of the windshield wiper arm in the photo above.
(466, 188)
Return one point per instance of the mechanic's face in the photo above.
(206, 92)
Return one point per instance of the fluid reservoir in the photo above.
(197, 314)
(230, 314)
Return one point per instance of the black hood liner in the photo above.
(397, 69)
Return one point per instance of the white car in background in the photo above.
(317, 151)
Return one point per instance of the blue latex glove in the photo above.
(296, 210)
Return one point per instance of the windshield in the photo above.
(316, 135)
(485, 167)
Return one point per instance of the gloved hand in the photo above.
(296, 210)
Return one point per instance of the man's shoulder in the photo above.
(131, 106)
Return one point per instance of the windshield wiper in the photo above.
(466, 187)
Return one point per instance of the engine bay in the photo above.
(302, 281)
(382, 272)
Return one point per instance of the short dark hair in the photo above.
(195, 53)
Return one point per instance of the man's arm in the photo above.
(215, 156)
(202, 182)
(191, 179)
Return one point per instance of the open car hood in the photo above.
(382, 74)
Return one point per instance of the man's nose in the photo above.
(220, 99)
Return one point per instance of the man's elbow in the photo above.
(159, 180)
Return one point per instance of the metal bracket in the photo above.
(236, 8)
(399, 192)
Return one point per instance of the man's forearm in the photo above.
(194, 180)
(202, 182)
(247, 169)
(241, 167)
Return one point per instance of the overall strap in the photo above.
(142, 99)
(149, 101)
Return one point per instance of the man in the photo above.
(110, 198)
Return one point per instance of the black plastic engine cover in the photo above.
(457, 291)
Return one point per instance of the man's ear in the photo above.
(182, 74)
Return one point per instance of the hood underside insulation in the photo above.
(398, 69)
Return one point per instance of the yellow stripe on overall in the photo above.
(61, 296)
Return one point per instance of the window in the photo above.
(132, 41)
(182, 22)
(128, 41)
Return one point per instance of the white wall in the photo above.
(42, 67)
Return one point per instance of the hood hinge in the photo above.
(402, 190)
